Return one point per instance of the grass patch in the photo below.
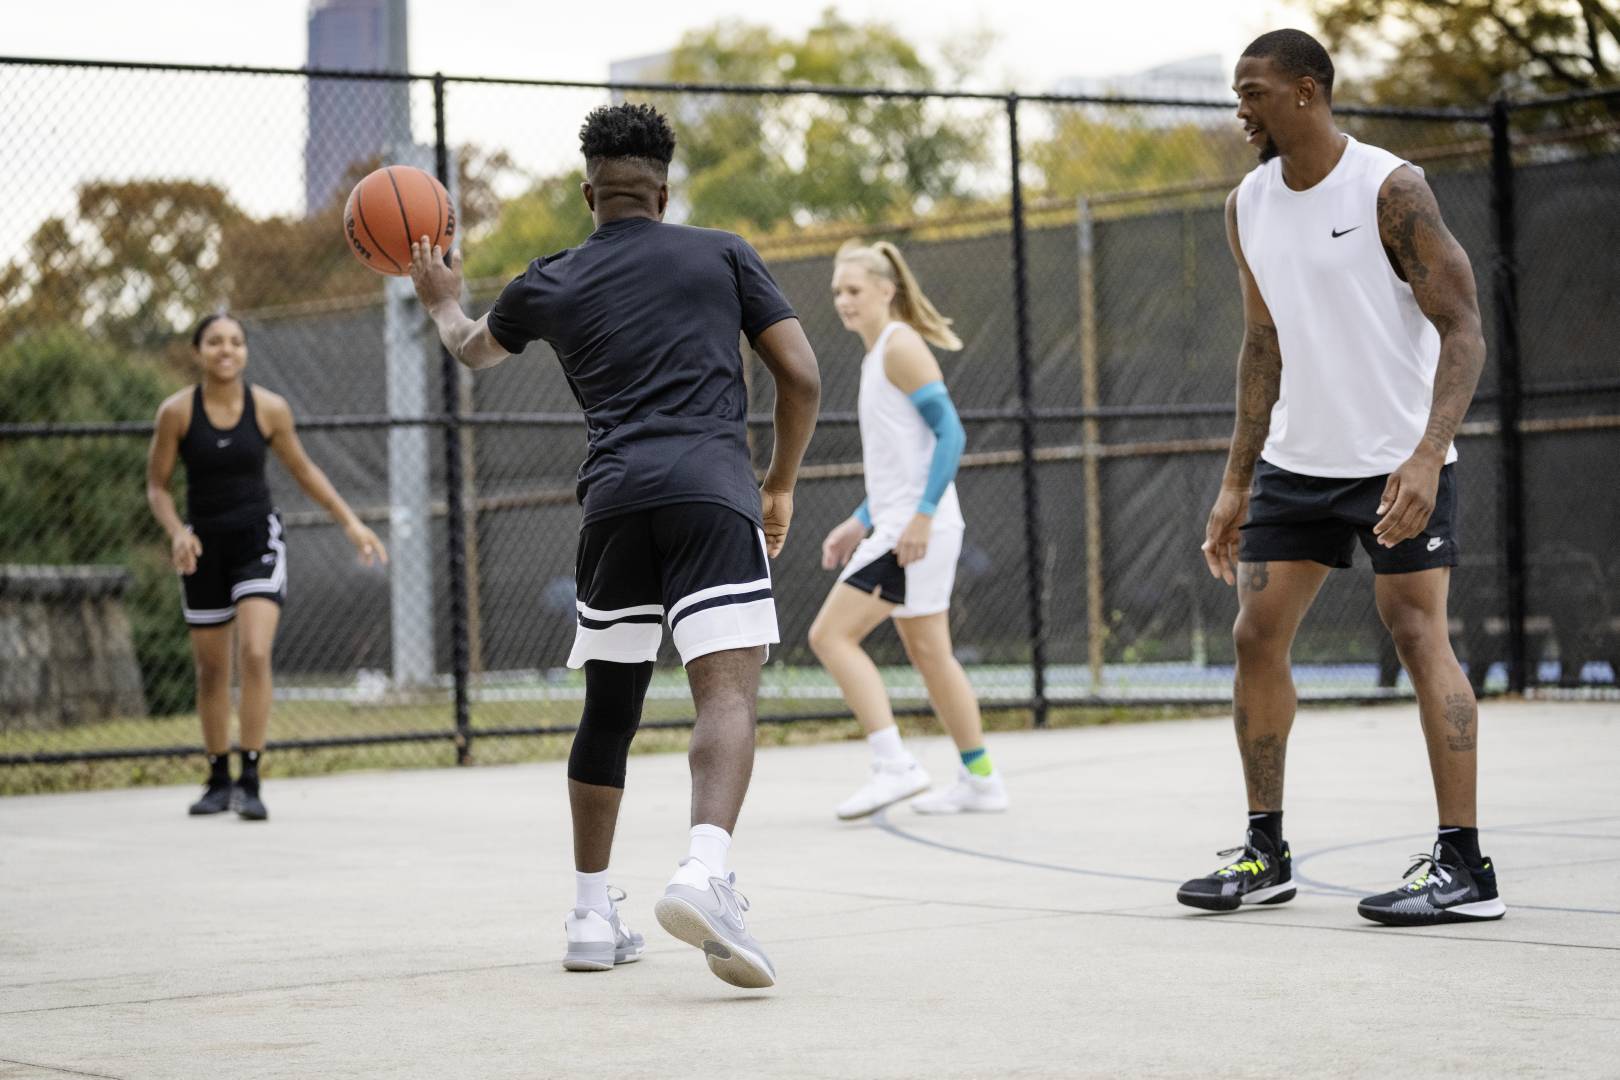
(303, 720)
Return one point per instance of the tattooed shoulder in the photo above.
(1408, 218)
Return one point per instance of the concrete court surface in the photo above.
(408, 924)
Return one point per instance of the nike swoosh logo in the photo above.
(1351, 229)
(1446, 898)
(730, 911)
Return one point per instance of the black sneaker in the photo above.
(1260, 876)
(1445, 891)
(216, 799)
(247, 804)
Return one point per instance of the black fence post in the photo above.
(455, 504)
(1509, 388)
(1026, 425)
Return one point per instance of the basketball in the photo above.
(391, 208)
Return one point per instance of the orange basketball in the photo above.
(389, 210)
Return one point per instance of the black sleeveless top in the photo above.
(225, 484)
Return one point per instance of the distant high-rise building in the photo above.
(651, 68)
(353, 122)
(1196, 78)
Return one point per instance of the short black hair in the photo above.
(210, 320)
(627, 131)
(1298, 54)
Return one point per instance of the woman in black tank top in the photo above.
(230, 552)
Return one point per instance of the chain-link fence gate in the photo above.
(1078, 243)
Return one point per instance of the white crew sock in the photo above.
(710, 843)
(886, 745)
(590, 893)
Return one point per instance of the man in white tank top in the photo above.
(1361, 350)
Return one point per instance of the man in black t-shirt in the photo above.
(644, 318)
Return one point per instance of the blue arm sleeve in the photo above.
(934, 402)
(863, 514)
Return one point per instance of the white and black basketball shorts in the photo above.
(700, 567)
(922, 588)
(235, 564)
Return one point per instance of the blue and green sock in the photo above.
(977, 761)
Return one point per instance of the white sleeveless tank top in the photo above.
(897, 446)
(1358, 355)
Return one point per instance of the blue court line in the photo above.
(881, 821)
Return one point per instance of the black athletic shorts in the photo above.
(700, 567)
(1320, 518)
(235, 564)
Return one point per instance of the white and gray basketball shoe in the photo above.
(599, 944)
(710, 918)
(890, 782)
(969, 795)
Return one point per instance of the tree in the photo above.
(546, 218)
(760, 163)
(764, 161)
(139, 262)
(136, 261)
(1093, 152)
(83, 501)
(1468, 51)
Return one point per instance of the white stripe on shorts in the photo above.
(617, 613)
(716, 590)
(727, 626)
(621, 643)
(278, 576)
(208, 615)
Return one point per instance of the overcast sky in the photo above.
(1038, 41)
(64, 126)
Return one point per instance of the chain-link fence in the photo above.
(1078, 243)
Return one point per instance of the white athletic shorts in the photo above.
(923, 588)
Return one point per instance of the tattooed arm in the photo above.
(1259, 380)
(1426, 256)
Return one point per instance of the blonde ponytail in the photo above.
(909, 304)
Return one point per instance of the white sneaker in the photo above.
(969, 795)
(596, 943)
(890, 782)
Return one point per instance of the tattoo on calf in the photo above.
(1461, 718)
(1254, 576)
(1263, 769)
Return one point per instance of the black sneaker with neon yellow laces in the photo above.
(1439, 888)
(1259, 876)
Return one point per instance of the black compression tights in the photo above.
(613, 697)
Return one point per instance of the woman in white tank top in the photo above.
(899, 549)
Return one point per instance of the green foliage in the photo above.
(137, 260)
(1467, 51)
(547, 218)
(766, 164)
(83, 501)
(760, 162)
(1092, 153)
